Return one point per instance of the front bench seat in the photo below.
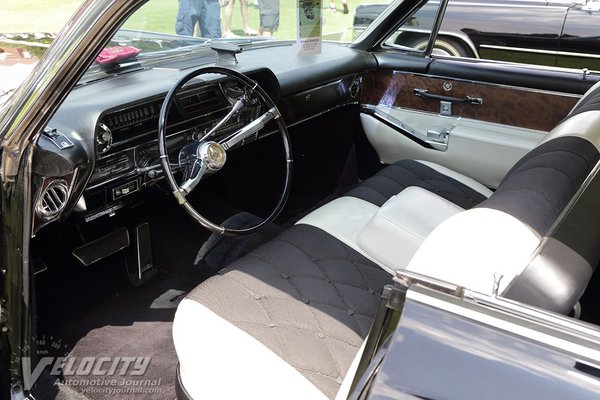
(294, 312)
(283, 322)
(286, 320)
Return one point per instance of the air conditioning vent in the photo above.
(53, 200)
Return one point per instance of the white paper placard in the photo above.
(310, 28)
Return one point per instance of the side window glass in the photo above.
(415, 32)
(559, 34)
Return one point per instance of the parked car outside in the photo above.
(554, 33)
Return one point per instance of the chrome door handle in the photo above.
(437, 137)
(467, 100)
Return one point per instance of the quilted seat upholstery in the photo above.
(405, 173)
(314, 310)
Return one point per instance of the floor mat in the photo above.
(136, 361)
(123, 347)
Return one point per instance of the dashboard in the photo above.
(99, 152)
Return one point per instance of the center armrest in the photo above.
(398, 228)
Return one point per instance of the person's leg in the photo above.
(227, 18)
(244, 10)
(269, 24)
(332, 6)
(275, 22)
(345, 5)
(210, 19)
(184, 24)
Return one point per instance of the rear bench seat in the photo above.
(288, 319)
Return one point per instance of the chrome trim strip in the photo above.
(456, 119)
(499, 85)
(538, 51)
(511, 6)
(382, 113)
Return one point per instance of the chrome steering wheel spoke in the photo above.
(251, 129)
(203, 156)
(237, 106)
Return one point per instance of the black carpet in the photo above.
(131, 331)
(96, 314)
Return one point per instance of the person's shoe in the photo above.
(250, 32)
(346, 11)
(332, 7)
(230, 35)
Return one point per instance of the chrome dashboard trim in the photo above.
(147, 133)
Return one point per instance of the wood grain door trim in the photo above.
(515, 106)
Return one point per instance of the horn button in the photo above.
(213, 154)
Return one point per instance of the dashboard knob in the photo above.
(152, 174)
(104, 138)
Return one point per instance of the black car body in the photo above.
(555, 33)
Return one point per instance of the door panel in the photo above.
(482, 151)
(518, 107)
(477, 128)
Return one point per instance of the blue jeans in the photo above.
(206, 12)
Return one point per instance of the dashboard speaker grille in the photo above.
(53, 200)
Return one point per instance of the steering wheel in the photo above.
(208, 156)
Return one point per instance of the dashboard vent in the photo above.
(53, 200)
(104, 138)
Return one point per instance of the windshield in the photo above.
(165, 28)
(249, 19)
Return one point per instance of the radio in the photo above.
(114, 165)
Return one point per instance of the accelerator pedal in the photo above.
(140, 264)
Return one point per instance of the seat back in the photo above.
(536, 238)
(569, 252)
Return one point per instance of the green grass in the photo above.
(17, 16)
(159, 15)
